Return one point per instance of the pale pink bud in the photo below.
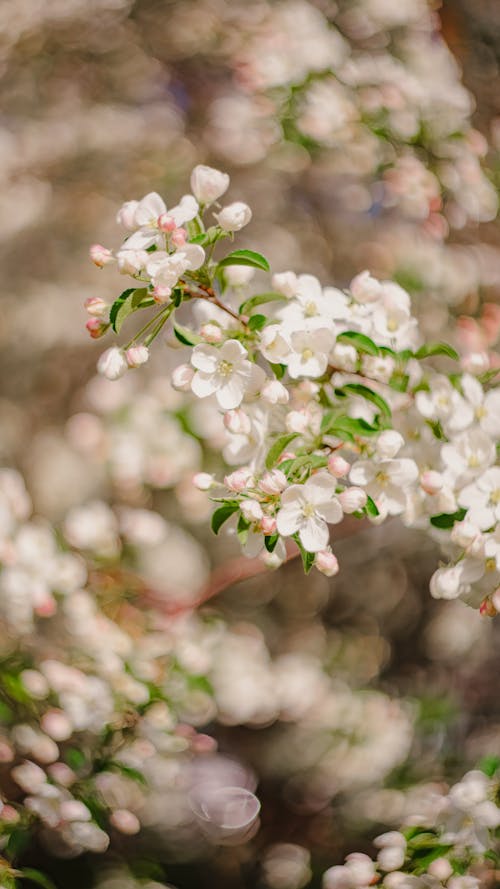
(112, 363)
(203, 481)
(326, 562)
(273, 482)
(446, 500)
(126, 215)
(35, 683)
(100, 255)
(237, 422)
(137, 355)
(275, 392)
(391, 858)
(74, 810)
(203, 744)
(96, 327)
(47, 607)
(179, 237)
(6, 752)
(268, 525)
(161, 295)
(353, 499)
(487, 608)
(475, 362)
(166, 223)
(431, 482)
(495, 599)
(251, 510)
(337, 466)
(389, 443)
(126, 822)
(10, 814)
(182, 376)
(365, 289)
(297, 421)
(211, 333)
(285, 283)
(208, 184)
(440, 868)
(234, 217)
(96, 306)
(56, 724)
(62, 774)
(238, 480)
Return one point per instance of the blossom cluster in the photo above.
(327, 407)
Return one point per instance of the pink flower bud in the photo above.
(179, 237)
(211, 333)
(431, 482)
(268, 525)
(353, 499)
(137, 355)
(440, 868)
(62, 774)
(234, 217)
(275, 392)
(166, 223)
(237, 422)
(365, 289)
(337, 466)
(297, 421)
(112, 363)
(327, 563)
(96, 306)
(56, 724)
(238, 480)
(182, 376)
(126, 215)
(475, 362)
(161, 295)
(251, 510)
(100, 255)
(273, 482)
(96, 327)
(74, 810)
(126, 822)
(487, 608)
(203, 481)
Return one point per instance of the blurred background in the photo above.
(363, 134)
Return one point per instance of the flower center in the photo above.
(307, 354)
(473, 461)
(481, 412)
(392, 324)
(308, 510)
(495, 496)
(311, 309)
(225, 368)
(491, 564)
(382, 478)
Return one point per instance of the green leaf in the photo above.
(36, 876)
(307, 558)
(221, 515)
(75, 758)
(186, 336)
(312, 461)
(245, 257)
(447, 520)
(259, 300)
(211, 235)
(368, 394)
(257, 322)
(399, 382)
(279, 370)
(126, 303)
(350, 426)
(371, 507)
(277, 448)
(360, 342)
(489, 765)
(242, 530)
(270, 542)
(437, 349)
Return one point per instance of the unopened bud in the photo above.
(389, 443)
(237, 422)
(179, 237)
(203, 481)
(285, 283)
(126, 822)
(268, 525)
(238, 480)
(182, 376)
(487, 608)
(100, 255)
(161, 295)
(353, 499)
(431, 482)
(337, 466)
(475, 362)
(56, 724)
(251, 510)
(275, 392)
(327, 563)
(96, 327)
(208, 184)
(273, 482)
(440, 869)
(137, 355)
(211, 333)
(234, 217)
(126, 215)
(365, 289)
(96, 306)
(166, 223)
(112, 363)
(297, 421)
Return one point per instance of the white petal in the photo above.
(331, 511)
(186, 209)
(362, 472)
(314, 534)
(230, 393)
(233, 351)
(149, 209)
(204, 384)
(289, 518)
(194, 255)
(205, 358)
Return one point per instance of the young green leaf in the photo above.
(350, 426)
(360, 342)
(307, 557)
(437, 349)
(36, 876)
(221, 515)
(117, 305)
(259, 300)
(245, 257)
(257, 322)
(447, 520)
(369, 395)
(277, 448)
(186, 336)
(371, 507)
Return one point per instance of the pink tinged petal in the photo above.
(204, 384)
(314, 534)
(331, 511)
(233, 351)
(149, 209)
(205, 358)
(289, 518)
